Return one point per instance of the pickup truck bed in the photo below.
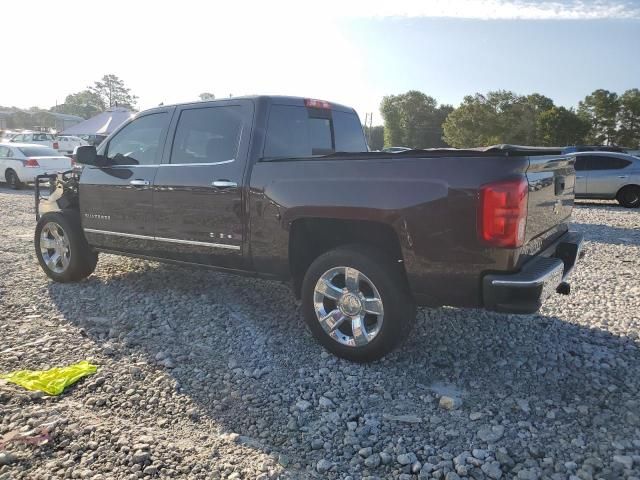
(283, 187)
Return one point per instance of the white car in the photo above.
(39, 138)
(68, 143)
(6, 135)
(20, 163)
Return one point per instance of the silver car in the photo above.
(608, 175)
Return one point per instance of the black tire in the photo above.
(629, 196)
(82, 259)
(12, 179)
(399, 311)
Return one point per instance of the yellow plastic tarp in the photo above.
(52, 381)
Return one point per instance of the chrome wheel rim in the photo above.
(54, 247)
(348, 306)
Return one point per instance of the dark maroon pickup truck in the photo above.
(285, 188)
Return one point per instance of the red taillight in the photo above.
(503, 212)
(31, 162)
(312, 103)
(55, 145)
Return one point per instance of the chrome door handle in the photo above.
(623, 176)
(139, 183)
(577, 177)
(224, 184)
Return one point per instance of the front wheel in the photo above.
(356, 303)
(62, 250)
(629, 196)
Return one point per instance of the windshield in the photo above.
(37, 151)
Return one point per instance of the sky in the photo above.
(349, 51)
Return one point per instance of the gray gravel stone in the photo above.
(7, 458)
(492, 470)
(406, 458)
(625, 460)
(491, 434)
(372, 461)
(323, 465)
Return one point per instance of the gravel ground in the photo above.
(205, 375)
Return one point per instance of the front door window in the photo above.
(138, 143)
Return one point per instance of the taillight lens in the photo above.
(31, 162)
(502, 217)
(55, 145)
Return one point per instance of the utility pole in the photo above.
(368, 125)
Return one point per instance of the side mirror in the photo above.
(87, 155)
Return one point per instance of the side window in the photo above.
(17, 138)
(3, 152)
(603, 162)
(207, 135)
(138, 143)
(27, 137)
(292, 133)
(622, 163)
(582, 162)
(348, 132)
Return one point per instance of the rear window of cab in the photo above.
(297, 132)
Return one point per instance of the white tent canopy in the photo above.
(102, 124)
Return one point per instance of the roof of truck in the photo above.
(276, 99)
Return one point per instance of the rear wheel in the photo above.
(356, 303)
(62, 250)
(12, 179)
(629, 196)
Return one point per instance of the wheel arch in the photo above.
(628, 185)
(312, 236)
(10, 169)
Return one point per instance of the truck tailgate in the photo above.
(551, 193)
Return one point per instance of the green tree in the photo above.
(559, 127)
(413, 119)
(375, 136)
(600, 110)
(629, 119)
(85, 104)
(539, 102)
(497, 117)
(207, 96)
(113, 92)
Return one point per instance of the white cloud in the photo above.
(464, 9)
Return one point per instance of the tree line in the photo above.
(414, 119)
